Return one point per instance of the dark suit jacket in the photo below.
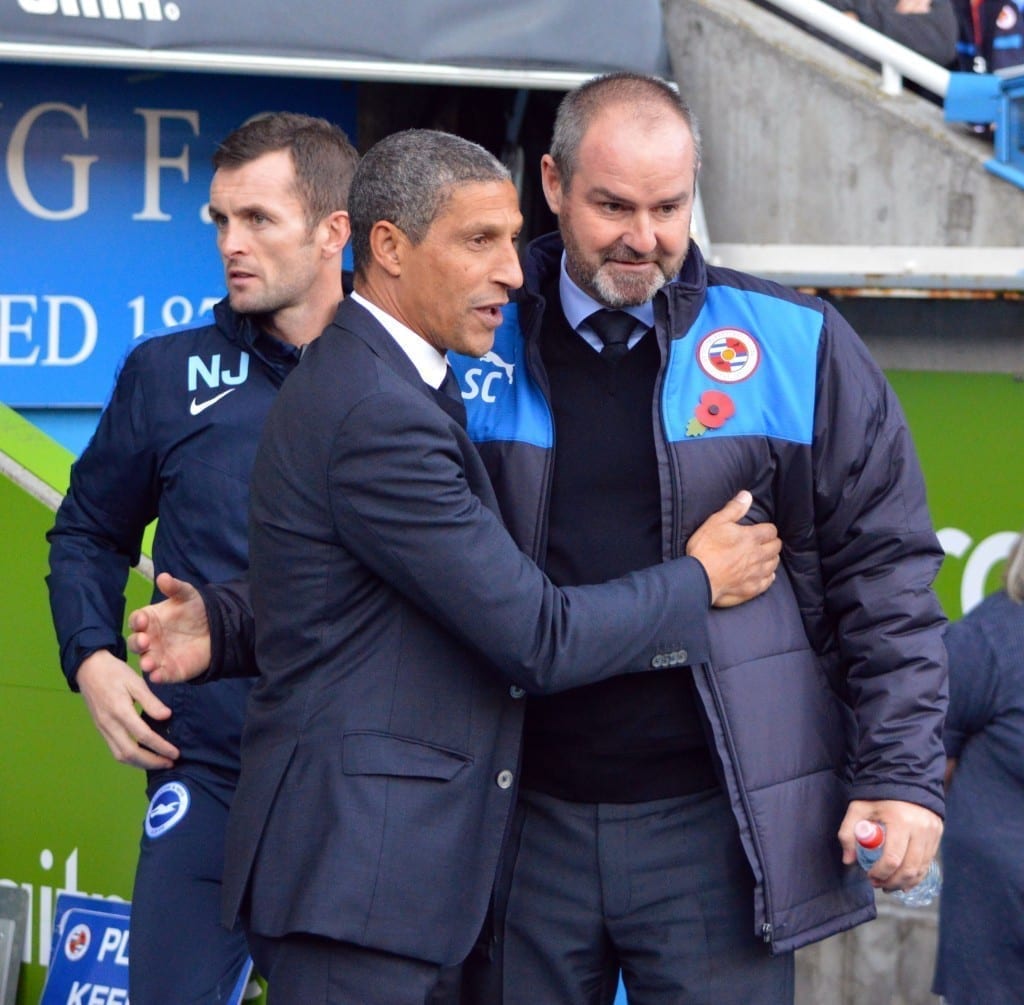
(397, 629)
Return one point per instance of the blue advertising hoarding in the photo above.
(103, 226)
(90, 959)
(89, 954)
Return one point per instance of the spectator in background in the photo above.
(981, 913)
(991, 34)
(929, 27)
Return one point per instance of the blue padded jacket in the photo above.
(832, 685)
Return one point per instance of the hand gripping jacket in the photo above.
(832, 685)
(176, 441)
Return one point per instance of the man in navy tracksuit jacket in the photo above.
(176, 444)
(669, 824)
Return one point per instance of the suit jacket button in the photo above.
(516, 691)
(504, 779)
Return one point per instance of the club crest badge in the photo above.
(728, 355)
(1007, 17)
(167, 808)
(76, 945)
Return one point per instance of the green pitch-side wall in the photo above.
(70, 816)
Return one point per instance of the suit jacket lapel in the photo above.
(359, 322)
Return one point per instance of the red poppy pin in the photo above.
(714, 408)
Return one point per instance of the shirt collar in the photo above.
(430, 364)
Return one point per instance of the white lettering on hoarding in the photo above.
(23, 326)
(986, 556)
(9, 326)
(42, 901)
(111, 10)
(99, 994)
(154, 162)
(78, 203)
(89, 331)
(66, 314)
(115, 940)
(79, 163)
(176, 310)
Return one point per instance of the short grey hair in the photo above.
(407, 179)
(645, 94)
(1015, 571)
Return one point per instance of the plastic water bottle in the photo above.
(870, 838)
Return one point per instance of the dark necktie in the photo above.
(613, 328)
(449, 397)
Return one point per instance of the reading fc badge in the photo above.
(77, 942)
(729, 355)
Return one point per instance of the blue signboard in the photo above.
(104, 232)
(89, 954)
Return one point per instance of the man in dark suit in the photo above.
(397, 626)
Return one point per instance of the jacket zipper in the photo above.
(662, 446)
(536, 374)
(675, 547)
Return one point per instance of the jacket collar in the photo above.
(430, 364)
(357, 321)
(240, 330)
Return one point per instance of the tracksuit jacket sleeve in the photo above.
(97, 535)
(879, 557)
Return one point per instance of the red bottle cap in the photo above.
(868, 833)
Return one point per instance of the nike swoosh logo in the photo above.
(196, 407)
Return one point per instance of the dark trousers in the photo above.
(179, 950)
(310, 970)
(661, 890)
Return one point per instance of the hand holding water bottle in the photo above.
(870, 837)
(912, 835)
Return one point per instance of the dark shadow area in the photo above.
(514, 125)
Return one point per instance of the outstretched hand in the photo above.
(740, 559)
(172, 637)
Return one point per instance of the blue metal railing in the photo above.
(996, 98)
